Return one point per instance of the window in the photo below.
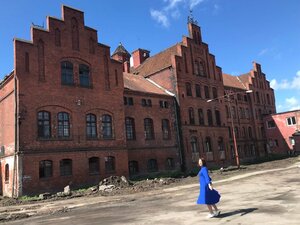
(271, 124)
(165, 126)
(63, 125)
(148, 129)
(233, 112)
(107, 126)
(44, 126)
(220, 144)
(257, 97)
(209, 118)
(218, 117)
(194, 144)
(188, 88)
(170, 163)
(146, 102)
(110, 164)
(163, 104)
(152, 165)
(130, 128)
(45, 169)
(247, 114)
(215, 92)
(6, 176)
(128, 101)
(67, 73)
(191, 116)
(250, 132)
(198, 90)
(227, 111)
(197, 69)
(84, 75)
(236, 132)
(133, 167)
(201, 116)
(202, 70)
(206, 91)
(94, 166)
(208, 146)
(65, 166)
(291, 121)
(91, 126)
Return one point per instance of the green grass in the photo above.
(29, 198)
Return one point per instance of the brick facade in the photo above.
(73, 114)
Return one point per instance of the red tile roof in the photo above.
(233, 81)
(141, 84)
(156, 63)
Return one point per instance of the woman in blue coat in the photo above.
(208, 195)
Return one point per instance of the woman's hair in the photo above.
(203, 161)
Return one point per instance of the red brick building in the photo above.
(282, 132)
(72, 113)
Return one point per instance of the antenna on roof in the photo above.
(191, 18)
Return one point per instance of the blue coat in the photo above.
(206, 196)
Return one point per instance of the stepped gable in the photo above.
(140, 84)
(156, 63)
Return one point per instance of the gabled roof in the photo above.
(156, 63)
(233, 81)
(141, 84)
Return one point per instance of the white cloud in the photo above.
(263, 51)
(292, 103)
(286, 84)
(171, 9)
(160, 17)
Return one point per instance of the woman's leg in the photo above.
(210, 209)
(215, 207)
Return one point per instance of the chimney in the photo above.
(139, 56)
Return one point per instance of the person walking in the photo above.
(207, 196)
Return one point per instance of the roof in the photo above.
(121, 49)
(156, 63)
(6, 77)
(233, 81)
(140, 84)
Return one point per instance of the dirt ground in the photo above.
(116, 187)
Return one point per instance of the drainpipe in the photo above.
(16, 182)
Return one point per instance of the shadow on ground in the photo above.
(240, 211)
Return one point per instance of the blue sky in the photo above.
(238, 32)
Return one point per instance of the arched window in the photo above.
(57, 37)
(67, 73)
(84, 75)
(75, 34)
(208, 146)
(188, 89)
(110, 164)
(165, 126)
(65, 166)
(45, 168)
(250, 132)
(201, 116)
(209, 118)
(63, 124)
(44, 124)
(194, 144)
(191, 116)
(133, 167)
(152, 165)
(107, 126)
(6, 176)
(94, 165)
(148, 129)
(196, 68)
(130, 128)
(214, 92)
(91, 126)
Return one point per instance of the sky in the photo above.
(238, 32)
